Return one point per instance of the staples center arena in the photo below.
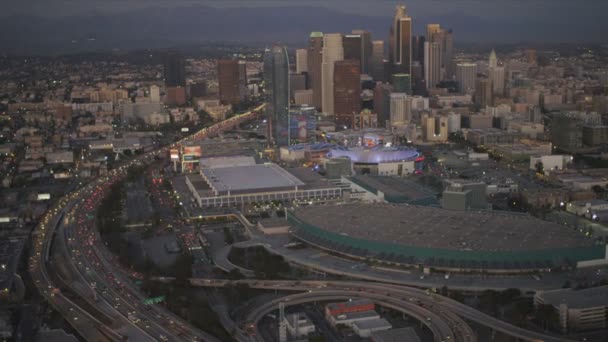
(452, 241)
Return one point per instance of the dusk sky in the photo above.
(147, 23)
(576, 11)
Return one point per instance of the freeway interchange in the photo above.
(97, 281)
(442, 315)
(96, 278)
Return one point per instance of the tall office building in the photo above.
(483, 92)
(400, 42)
(496, 74)
(315, 61)
(174, 70)
(493, 60)
(401, 83)
(434, 128)
(332, 51)
(366, 50)
(432, 63)
(400, 109)
(466, 74)
(418, 48)
(382, 104)
(243, 90)
(377, 60)
(431, 31)
(445, 39)
(448, 55)
(352, 47)
(276, 80)
(229, 81)
(301, 61)
(347, 91)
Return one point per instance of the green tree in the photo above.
(540, 168)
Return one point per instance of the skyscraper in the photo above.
(347, 91)
(466, 74)
(174, 70)
(432, 63)
(332, 51)
(377, 60)
(229, 80)
(315, 60)
(366, 50)
(301, 61)
(493, 61)
(496, 74)
(445, 39)
(352, 47)
(483, 92)
(400, 109)
(418, 48)
(276, 80)
(400, 42)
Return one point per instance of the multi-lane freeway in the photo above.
(444, 308)
(96, 278)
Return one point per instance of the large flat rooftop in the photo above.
(250, 178)
(430, 227)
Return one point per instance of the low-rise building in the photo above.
(550, 163)
(299, 325)
(578, 310)
(395, 335)
(364, 329)
(583, 208)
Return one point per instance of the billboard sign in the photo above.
(174, 153)
(44, 197)
(193, 151)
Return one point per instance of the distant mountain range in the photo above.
(160, 27)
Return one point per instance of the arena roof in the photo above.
(375, 155)
(250, 178)
(439, 228)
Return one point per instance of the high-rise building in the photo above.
(154, 93)
(402, 83)
(315, 61)
(297, 82)
(497, 77)
(434, 128)
(483, 92)
(382, 104)
(377, 60)
(418, 48)
(243, 90)
(493, 60)
(174, 70)
(445, 39)
(566, 132)
(431, 31)
(352, 47)
(276, 80)
(400, 42)
(301, 61)
(400, 109)
(496, 74)
(332, 51)
(347, 91)
(432, 63)
(229, 81)
(366, 50)
(466, 74)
